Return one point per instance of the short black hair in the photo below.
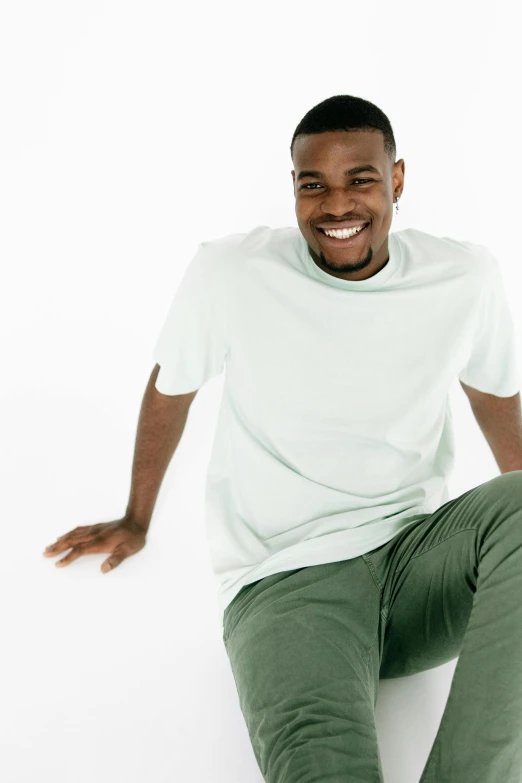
(346, 112)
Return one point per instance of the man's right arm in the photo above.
(161, 423)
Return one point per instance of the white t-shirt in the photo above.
(335, 428)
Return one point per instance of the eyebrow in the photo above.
(348, 172)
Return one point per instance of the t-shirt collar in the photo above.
(370, 284)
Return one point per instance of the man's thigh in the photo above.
(299, 645)
(429, 574)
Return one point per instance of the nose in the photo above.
(338, 203)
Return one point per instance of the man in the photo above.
(339, 557)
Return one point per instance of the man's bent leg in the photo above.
(300, 646)
(452, 586)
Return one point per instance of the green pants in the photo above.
(307, 647)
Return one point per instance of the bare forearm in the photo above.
(161, 423)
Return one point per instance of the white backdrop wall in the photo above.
(129, 133)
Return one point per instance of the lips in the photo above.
(343, 224)
(341, 243)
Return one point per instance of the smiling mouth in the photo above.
(348, 242)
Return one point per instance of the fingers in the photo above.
(58, 548)
(76, 536)
(107, 565)
(93, 546)
(111, 563)
(80, 532)
(115, 538)
(77, 551)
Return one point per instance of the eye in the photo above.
(311, 184)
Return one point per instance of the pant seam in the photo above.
(383, 611)
(456, 533)
(368, 561)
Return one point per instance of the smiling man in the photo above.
(339, 557)
(344, 211)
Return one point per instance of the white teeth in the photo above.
(343, 233)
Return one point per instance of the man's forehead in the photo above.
(313, 151)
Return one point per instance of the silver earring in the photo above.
(397, 205)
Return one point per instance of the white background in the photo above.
(129, 133)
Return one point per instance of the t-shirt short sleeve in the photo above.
(190, 348)
(493, 366)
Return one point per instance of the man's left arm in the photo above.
(500, 419)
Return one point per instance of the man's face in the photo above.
(331, 196)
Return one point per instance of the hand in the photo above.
(122, 538)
